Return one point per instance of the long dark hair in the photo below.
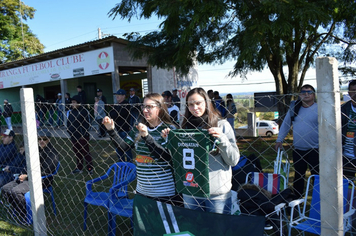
(212, 114)
(229, 99)
(163, 114)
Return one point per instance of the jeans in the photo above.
(60, 118)
(8, 122)
(231, 121)
(50, 116)
(120, 153)
(222, 206)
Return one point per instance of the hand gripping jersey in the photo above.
(154, 175)
(190, 150)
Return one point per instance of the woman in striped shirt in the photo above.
(154, 169)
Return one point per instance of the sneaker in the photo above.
(77, 171)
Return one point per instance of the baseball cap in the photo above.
(5, 100)
(59, 94)
(9, 132)
(44, 133)
(175, 89)
(132, 89)
(77, 98)
(120, 92)
(167, 93)
(99, 90)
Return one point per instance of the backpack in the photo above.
(295, 107)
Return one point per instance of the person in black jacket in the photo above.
(78, 129)
(41, 109)
(14, 192)
(82, 94)
(121, 116)
(348, 117)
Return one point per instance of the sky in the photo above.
(60, 24)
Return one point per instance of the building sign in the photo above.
(83, 64)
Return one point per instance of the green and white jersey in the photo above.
(190, 153)
(350, 135)
(154, 175)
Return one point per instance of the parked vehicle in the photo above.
(265, 128)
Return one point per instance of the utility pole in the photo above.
(99, 33)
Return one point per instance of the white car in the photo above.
(265, 128)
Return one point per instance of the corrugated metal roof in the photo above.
(84, 47)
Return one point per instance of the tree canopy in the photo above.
(254, 33)
(16, 39)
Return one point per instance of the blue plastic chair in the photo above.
(312, 223)
(46, 190)
(122, 206)
(124, 173)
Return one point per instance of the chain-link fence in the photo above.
(85, 151)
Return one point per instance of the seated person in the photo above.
(14, 192)
(8, 151)
(18, 164)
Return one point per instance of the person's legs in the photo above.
(231, 121)
(313, 161)
(50, 116)
(300, 167)
(8, 122)
(191, 202)
(77, 147)
(59, 117)
(221, 206)
(86, 154)
(102, 129)
(6, 191)
(19, 202)
(349, 167)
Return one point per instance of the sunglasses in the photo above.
(42, 139)
(307, 92)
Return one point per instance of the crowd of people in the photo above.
(144, 126)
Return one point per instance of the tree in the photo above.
(254, 33)
(16, 39)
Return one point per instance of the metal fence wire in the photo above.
(64, 213)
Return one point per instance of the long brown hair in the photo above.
(212, 114)
(163, 114)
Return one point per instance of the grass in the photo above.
(70, 189)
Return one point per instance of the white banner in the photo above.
(83, 64)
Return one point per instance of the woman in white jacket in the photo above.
(200, 113)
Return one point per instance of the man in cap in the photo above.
(8, 113)
(134, 101)
(14, 192)
(175, 98)
(121, 116)
(8, 152)
(82, 94)
(60, 110)
(173, 110)
(99, 94)
(78, 129)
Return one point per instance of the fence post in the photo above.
(330, 150)
(32, 160)
(251, 124)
